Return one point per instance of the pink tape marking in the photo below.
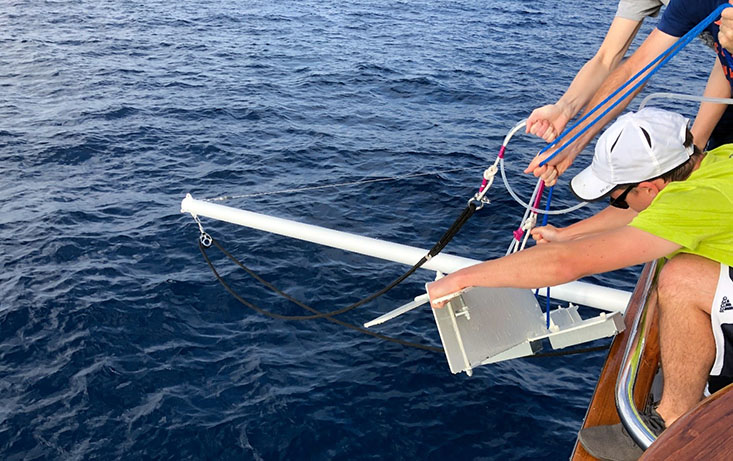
(539, 195)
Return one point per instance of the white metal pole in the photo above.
(587, 294)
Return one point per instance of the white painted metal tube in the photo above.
(337, 239)
(587, 294)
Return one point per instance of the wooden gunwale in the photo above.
(602, 407)
(703, 433)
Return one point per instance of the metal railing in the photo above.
(629, 414)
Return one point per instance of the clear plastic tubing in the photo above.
(530, 207)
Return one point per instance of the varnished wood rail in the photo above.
(602, 408)
(704, 433)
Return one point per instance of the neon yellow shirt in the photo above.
(697, 213)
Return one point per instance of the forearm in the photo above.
(590, 77)
(546, 265)
(592, 127)
(556, 263)
(708, 115)
(606, 219)
(584, 85)
(656, 43)
(539, 266)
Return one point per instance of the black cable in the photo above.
(301, 304)
(437, 248)
(582, 350)
(350, 326)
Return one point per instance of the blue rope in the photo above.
(547, 206)
(669, 53)
(662, 60)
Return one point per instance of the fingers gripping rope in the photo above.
(527, 206)
(649, 70)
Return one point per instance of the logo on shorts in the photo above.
(725, 305)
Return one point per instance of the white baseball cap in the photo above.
(636, 147)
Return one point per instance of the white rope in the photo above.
(527, 228)
(684, 97)
(326, 186)
(516, 198)
(514, 130)
(514, 245)
(530, 207)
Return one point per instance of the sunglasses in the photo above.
(620, 201)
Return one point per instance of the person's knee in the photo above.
(686, 280)
(674, 278)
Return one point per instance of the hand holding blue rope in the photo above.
(652, 68)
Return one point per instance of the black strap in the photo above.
(337, 321)
(326, 316)
(437, 248)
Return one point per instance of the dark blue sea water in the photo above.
(116, 341)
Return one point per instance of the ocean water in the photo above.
(116, 341)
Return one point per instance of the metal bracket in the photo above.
(489, 325)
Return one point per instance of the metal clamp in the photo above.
(204, 238)
(464, 312)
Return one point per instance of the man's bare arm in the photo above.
(709, 113)
(605, 220)
(653, 46)
(548, 121)
(556, 263)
